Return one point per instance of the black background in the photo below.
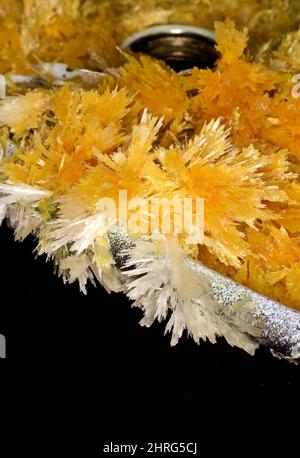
(80, 372)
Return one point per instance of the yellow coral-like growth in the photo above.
(273, 265)
(231, 43)
(157, 86)
(74, 127)
(238, 90)
(229, 135)
(226, 178)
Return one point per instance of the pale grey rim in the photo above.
(168, 29)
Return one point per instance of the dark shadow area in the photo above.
(85, 364)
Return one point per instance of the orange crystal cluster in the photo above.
(230, 135)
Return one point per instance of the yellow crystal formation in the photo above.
(229, 135)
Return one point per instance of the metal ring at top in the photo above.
(180, 46)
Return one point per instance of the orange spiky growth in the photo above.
(273, 267)
(73, 128)
(157, 87)
(131, 169)
(228, 135)
(290, 213)
(239, 91)
(209, 166)
(282, 125)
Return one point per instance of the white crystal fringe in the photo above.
(164, 287)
